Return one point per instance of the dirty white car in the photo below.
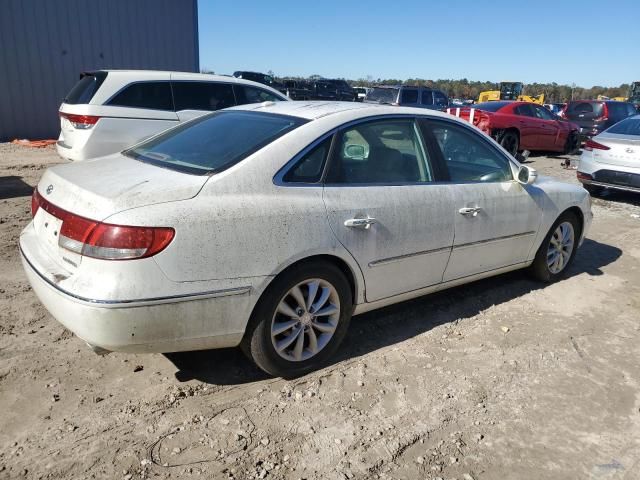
(270, 225)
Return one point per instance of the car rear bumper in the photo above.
(608, 175)
(169, 323)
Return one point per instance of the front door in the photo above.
(549, 129)
(384, 207)
(496, 218)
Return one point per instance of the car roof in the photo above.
(312, 110)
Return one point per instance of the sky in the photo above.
(585, 42)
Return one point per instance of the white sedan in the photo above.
(612, 158)
(270, 225)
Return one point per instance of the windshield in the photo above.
(490, 106)
(510, 90)
(213, 142)
(634, 92)
(383, 95)
(629, 126)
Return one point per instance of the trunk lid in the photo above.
(97, 189)
(623, 151)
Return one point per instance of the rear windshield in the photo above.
(629, 126)
(576, 108)
(213, 142)
(383, 95)
(490, 106)
(85, 89)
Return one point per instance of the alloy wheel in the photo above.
(560, 247)
(305, 320)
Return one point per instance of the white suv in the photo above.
(109, 110)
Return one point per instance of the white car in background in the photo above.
(269, 226)
(109, 110)
(612, 158)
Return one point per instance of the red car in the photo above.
(521, 126)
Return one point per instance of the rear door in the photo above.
(496, 218)
(528, 126)
(385, 207)
(195, 98)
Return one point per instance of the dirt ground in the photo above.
(500, 379)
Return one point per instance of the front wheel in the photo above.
(300, 320)
(557, 250)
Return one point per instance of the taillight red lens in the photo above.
(584, 176)
(82, 122)
(590, 145)
(35, 202)
(104, 240)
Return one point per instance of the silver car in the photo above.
(612, 159)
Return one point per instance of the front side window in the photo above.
(380, 152)
(151, 95)
(468, 156)
(309, 168)
(543, 114)
(207, 96)
(254, 95)
(409, 95)
(213, 142)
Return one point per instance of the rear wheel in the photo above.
(300, 320)
(571, 144)
(510, 142)
(557, 250)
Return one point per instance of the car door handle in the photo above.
(362, 223)
(473, 211)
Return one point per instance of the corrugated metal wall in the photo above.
(45, 44)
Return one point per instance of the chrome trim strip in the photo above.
(613, 186)
(385, 261)
(496, 239)
(142, 302)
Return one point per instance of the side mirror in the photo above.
(355, 152)
(527, 175)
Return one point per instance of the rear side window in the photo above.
(525, 110)
(619, 110)
(246, 94)
(213, 142)
(85, 89)
(151, 95)
(427, 97)
(309, 168)
(409, 95)
(630, 126)
(441, 99)
(202, 95)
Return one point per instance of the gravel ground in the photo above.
(500, 379)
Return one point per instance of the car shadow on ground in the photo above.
(609, 196)
(378, 329)
(12, 187)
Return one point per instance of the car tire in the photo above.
(571, 145)
(282, 344)
(594, 190)
(546, 266)
(510, 142)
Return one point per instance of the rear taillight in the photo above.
(35, 202)
(584, 176)
(81, 122)
(591, 145)
(106, 241)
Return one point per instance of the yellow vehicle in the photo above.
(509, 91)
